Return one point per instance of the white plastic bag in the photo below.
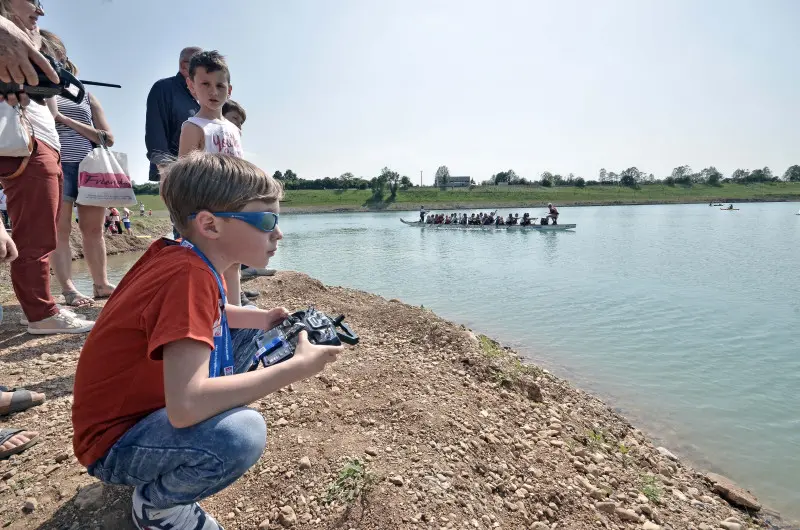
(103, 179)
(15, 138)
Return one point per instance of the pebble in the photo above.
(287, 516)
(305, 463)
(650, 526)
(90, 497)
(627, 515)
(727, 525)
(62, 457)
(538, 525)
(703, 526)
(30, 505)
(607, 507)
(281, 422)
(371, 451)
(679, 494)
(666, 452)
(397, 480)
(264, 525)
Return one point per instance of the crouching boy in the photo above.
(161, 388)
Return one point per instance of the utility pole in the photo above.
(420, 179)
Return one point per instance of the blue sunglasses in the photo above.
(264, 221)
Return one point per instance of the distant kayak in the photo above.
(729, 209)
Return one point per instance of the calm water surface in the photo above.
(685, 317)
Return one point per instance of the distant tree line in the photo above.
(633, 178)
(388, 182)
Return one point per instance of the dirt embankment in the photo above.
(145, 229)
(422, 425)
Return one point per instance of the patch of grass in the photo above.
(596, 438)
(490, 347)
(352, 483)
(651, 488)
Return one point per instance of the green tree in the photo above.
(345, 181)
(289, 175)
(740, 175)
(277, 175)
(405, 183)
(792, 174)
(546, 179)
(580, 182)
(630, 177)
(442, 176)
(603, 176)
(710, 176)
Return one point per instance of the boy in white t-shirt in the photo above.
(209, 131)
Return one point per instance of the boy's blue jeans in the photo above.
(181, 466)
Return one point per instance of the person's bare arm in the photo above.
(99, 119)
(87, 131)
(8, 250)
(192, 397)
(18, 55)
(243, 318)
(192, 139)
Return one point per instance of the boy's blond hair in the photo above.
(213, 182)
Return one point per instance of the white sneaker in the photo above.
(23, 321)
(183, 517)
(61, 322)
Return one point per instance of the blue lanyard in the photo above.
(221, 361)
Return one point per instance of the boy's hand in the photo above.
(315, 357)
(275, 316)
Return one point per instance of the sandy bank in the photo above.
(145, 229)
(423, 425)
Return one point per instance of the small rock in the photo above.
(597, 494)
(666, 452)
(397, 480)
(281, 422)
(727, 525)
(10, 473)
(90, 497)
(30, 505)
(305, 463)
(650, 526)
(264, 525)
(703, 526)
(371, 451)
(607, 507)
(627, 515)
(287, 517)
(62, 457)
(732, 493)
(538, 525)
(679, 494)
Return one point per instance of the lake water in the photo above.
(684, 317)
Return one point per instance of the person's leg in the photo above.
(94, 247)
(61, 260)
(34, 198)
(119, 227)
(233, 282)
(173, 467)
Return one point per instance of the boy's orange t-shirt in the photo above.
(170, 294)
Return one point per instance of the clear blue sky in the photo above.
(572, 86)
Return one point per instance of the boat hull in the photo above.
(537, 228)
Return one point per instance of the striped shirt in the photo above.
(74, 147)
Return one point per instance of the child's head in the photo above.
(209, 79)
(234, 113)
(199, 185)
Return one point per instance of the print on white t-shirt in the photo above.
(221, 136)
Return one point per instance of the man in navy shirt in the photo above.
(169, 104)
